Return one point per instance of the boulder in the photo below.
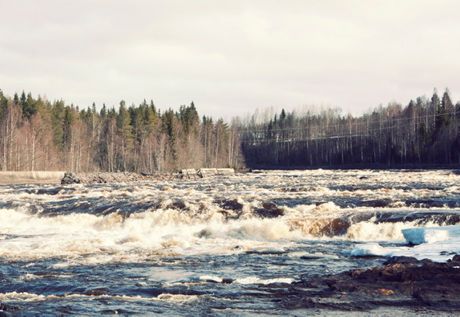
(399, 282)
(269, 210)
(70, 178)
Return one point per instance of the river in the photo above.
(224, 246)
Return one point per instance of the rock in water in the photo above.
(400, 281)
(70, 178)
(269, 210)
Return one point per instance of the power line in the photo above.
(367, 133)
(355, 123)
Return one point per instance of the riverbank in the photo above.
(62, 177)
(29, 177)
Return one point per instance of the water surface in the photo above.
(231, 246)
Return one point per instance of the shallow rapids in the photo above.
(224, 245)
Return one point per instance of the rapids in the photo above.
(218, 246)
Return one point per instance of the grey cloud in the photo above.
(230, 56)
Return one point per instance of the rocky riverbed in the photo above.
(106, 177)
(130, 177)
(399, 282)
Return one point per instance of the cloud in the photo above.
(230, 57)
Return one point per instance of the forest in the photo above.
(424, 133)
(37, 134)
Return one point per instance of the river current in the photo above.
(223, 246)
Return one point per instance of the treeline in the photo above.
(36, 134)
(423, 133)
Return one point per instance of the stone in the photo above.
(269, 210)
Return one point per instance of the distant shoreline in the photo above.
(55, 177)
(29, 177)
(359, 167)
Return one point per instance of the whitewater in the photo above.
(224, 245)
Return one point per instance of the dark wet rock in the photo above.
(98, 180)
(296, 189)
(432, 203)
(375, 203)
(269, 210)
(70, 178)
(266, 252)
(335, 227)
(455, 260)
(399, 282)
(231, 208)
(8, 310)
(420, 218)
(205, 233)
(97, 291)
(227, 280)
(178, 205)
(231, 204)
(47, 191)
(312, 257)
(447, 253)
(293, 202)
(401, 259)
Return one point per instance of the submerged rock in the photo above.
(96, 291)
(8, 310)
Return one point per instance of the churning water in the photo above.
(219, 246)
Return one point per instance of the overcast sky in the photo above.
(231, 57)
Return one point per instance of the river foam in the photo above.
(121, 222)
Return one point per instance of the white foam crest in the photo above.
(32, 297)
(371, 249)
(248, 280)
(258, 229)
(439, 252)
(22, 297)
(177, 298)
(391, 231)
(258, 280)
(29, 277)
(211, 278)
(202, 228)
(165, 232)
(100, 239)
(370, 231)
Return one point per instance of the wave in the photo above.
(248, 280)
(32, 297)
(226, 227)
